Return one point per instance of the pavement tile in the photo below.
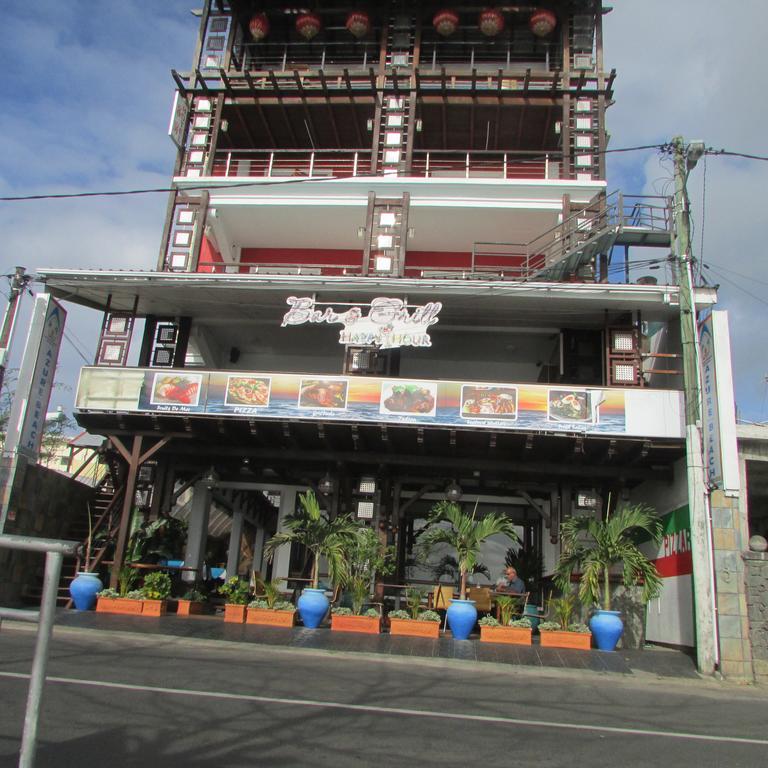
(664, 663)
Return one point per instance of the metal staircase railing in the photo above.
(566, 248)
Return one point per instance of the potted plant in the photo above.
(86, 584)
(155, 593)
(560, 631)
(505, 629)
(312, 527)
(123, 600)
(365, 557)
(346, 620)
(268, 609)
(192, 603)
(415, 622)
(236, 593)
(591, 548)
(514, 632)
(465, 533)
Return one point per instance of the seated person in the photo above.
(510, 582)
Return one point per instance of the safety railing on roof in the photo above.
(341, 163)
(292, 162)
(284, 57)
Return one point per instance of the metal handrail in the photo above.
(54, 550)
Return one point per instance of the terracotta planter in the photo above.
(550, 638)
(370, 625)
(234, 614)
(154, 607)
(269, 618)
(414, 628)
(189, 607)
(121, 605)
(509, 635)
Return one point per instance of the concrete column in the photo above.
(283, 555)
(733, 624)
(258, 550)
(197, 532)
(233, 554)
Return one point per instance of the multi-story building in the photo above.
(391, 270)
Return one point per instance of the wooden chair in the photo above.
(482, 597)
(521, 597)
(441, 597)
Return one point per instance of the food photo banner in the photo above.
(497, 406)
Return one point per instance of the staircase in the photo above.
(570, 249)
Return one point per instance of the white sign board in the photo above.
(26, 420)
(388, 323)
(718, 417)
(179, 117)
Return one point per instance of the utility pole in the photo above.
(18, 280)
(685, 158)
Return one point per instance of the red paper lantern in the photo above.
(259, 26)
(542, 22)
(445, 22)
(491, 22)
(358, 23)
(308, 25)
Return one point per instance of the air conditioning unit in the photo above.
(583, 61)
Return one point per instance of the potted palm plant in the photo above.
(364, 557)
(414, 622)
(591, 548)
(465, 533)
(505, 629)
(268, 609)
(323, 537)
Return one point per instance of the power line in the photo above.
(255, 183)
(736, 285)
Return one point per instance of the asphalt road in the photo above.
(116, 700)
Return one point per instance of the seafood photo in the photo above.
(409, 398)
(323, 393)
(176, 389)
(569, 406)
(484, 402)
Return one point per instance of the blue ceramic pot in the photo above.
(607, 627)
(462, 616)
(312, 605)
(532, 614)
(83, 590)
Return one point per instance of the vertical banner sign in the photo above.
(33, 390)
(719, 418)
(710, 421)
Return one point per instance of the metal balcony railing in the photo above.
(341, 163)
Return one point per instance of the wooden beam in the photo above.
(125, 519)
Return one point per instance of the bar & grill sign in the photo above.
(388, 323)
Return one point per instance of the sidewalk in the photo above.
(660, 662)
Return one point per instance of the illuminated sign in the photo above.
(388, 323)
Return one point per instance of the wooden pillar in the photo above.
(133, 460)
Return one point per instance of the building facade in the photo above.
(391, 271)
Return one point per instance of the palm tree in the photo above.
(465, 534)
(592, 547)
(323, 537)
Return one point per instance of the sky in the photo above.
(88, 92)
